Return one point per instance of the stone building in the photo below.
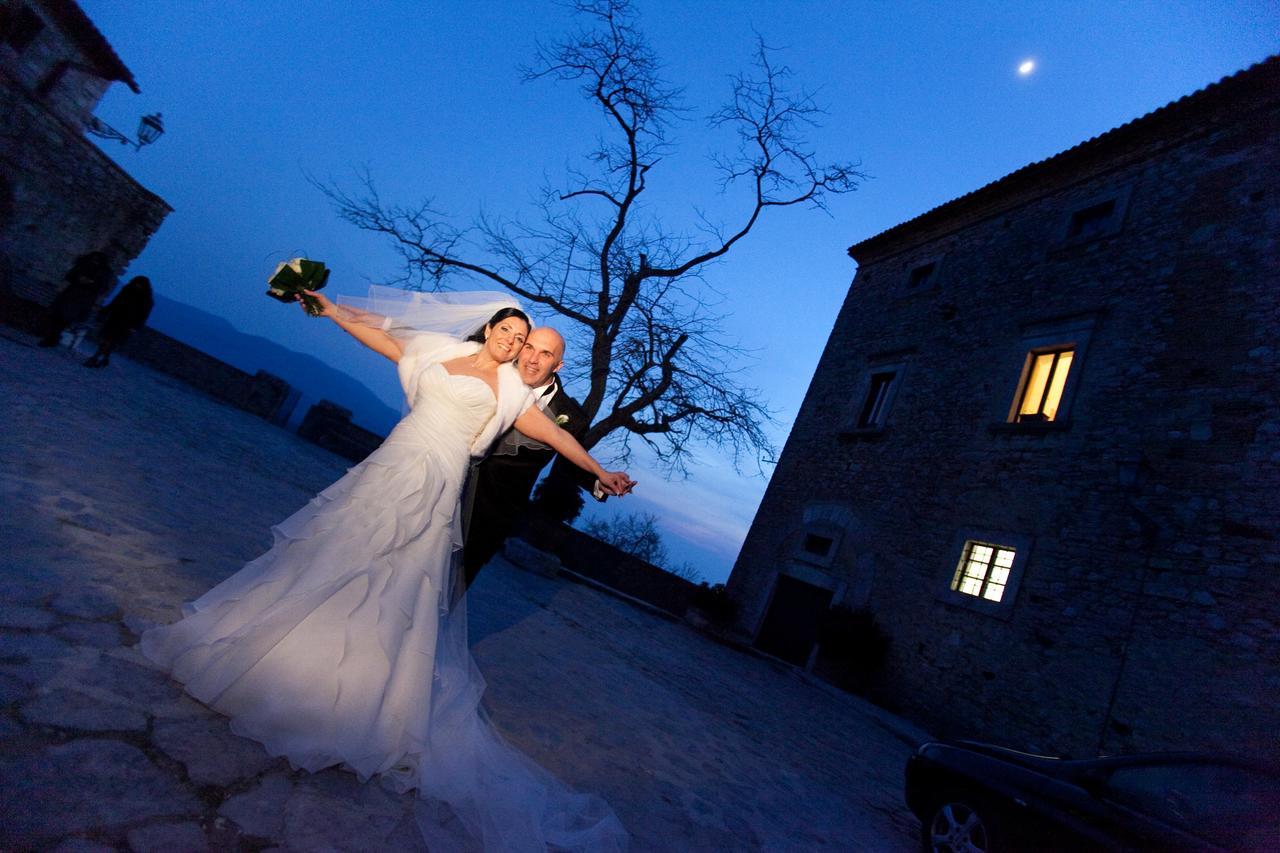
(60, 196)
(1042, 446)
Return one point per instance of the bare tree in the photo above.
(632, 290)
(635, 533)
(686, 570)
(638, 535)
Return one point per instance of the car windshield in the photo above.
(1231, 806)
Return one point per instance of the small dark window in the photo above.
(1092, 221)
(922, 276)
(875, 407)
(817, 545)
(19, 26)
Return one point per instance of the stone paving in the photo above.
(125, 493)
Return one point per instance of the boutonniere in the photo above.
(561, 420)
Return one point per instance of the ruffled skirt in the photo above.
(346, 644)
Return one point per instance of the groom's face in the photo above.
(541, 356)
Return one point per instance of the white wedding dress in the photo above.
(345, 644)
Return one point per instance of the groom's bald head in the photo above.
(541, 356)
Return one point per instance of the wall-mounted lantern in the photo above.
(150, 128)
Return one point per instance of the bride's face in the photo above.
(506, 338)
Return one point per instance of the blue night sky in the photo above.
(258, 95)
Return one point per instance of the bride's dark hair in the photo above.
(504, 313)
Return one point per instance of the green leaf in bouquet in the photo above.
(313, 273)
(290, 279)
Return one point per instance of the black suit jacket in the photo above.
(502, 482)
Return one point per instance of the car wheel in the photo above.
(960, 824)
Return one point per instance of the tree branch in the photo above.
(644, 324)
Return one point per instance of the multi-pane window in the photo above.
(1046, 378)
(984, 570)
(876, 404)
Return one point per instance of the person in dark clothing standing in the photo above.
(89, 279)
(128, 311)
(498, 493)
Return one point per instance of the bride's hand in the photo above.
(616, 483)
(327, 308)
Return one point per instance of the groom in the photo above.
(498, 489)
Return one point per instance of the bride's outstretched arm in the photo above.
(535, 424)
(357, 324)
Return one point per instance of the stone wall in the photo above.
(60, 196)
(329, 425)
(66, 198)
(54, 66)
(1146, 608)
(587, 556)
(261, 394)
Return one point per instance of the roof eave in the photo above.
(1263, 78)
(76, 24)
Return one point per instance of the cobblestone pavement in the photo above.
(125, 493)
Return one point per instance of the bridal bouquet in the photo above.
(291, 278)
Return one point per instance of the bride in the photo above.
(345, 643)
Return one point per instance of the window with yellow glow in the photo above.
(983, 571)
(1046, 379)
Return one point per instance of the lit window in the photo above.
(876, 404)
(987, 573)
(1046, 379)
(983, 571)
(1052, 358)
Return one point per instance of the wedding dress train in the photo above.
(345, 644)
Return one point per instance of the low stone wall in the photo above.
(329, 425)
(587, 556)
(261, 394)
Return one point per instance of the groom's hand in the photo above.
(599, 492)
(616, 483)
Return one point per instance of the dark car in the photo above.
(979, 797)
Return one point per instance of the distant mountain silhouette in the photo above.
(314, 378)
